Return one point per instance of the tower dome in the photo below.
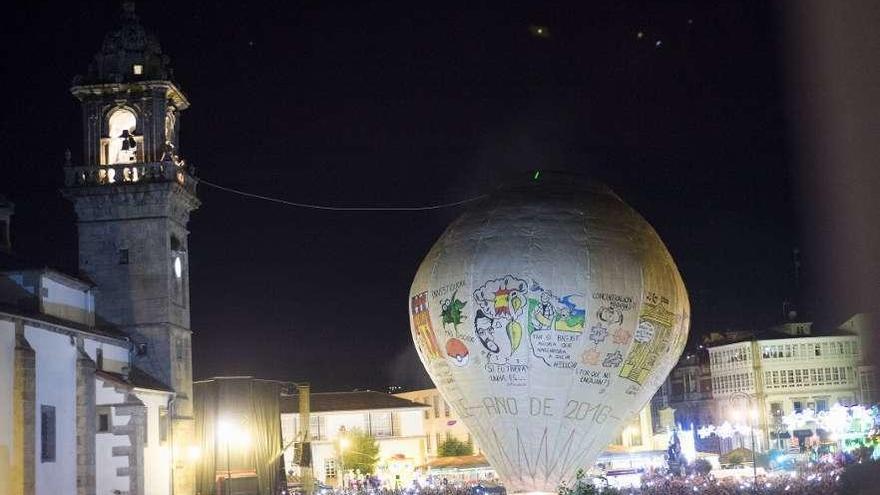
(128, 54)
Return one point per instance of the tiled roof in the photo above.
(15, 262)
(137, 378)
(348, 401)
(105, 331)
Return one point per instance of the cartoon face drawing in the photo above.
(485, 331)
(610, 315)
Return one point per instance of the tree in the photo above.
(735, 459)
(454, 447)
(359, 452)
(702, 466)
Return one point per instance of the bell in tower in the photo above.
(133, 196)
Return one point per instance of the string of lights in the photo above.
(341, 208)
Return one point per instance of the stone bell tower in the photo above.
(133, 195)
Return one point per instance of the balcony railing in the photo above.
(131, 173)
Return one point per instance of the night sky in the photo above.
(415, 103)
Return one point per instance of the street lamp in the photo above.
(751, 414)
(344, 443)
(229, 432)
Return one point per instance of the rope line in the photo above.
(341, 208)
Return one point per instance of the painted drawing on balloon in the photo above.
(554, 325)
(590, 357)
(457, 351)
(422, 329)
(651, 340)
(500, 303)
(548, 312)
(598, 333)
(451, 312)
(621, 336)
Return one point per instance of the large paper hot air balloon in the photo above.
(547, 315)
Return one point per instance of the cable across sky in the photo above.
(341, 208)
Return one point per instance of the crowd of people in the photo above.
(822, 479)
(830, 476)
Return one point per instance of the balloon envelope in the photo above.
(548, 315)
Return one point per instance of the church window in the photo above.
(137, 69)
(178, 267)
(47, 433)
(121, 145)
(123, 256)
(105, 419)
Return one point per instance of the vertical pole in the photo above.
(754, 461)
(228, 471)
(306, 474)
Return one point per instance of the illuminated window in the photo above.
(329, 468)
(137, 69)
(380, 424)
(121, 145)
(316, 427)
(178, 267)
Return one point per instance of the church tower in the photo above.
(133, 195)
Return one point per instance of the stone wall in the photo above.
(86, 417)
(24, 415)
(135, 429)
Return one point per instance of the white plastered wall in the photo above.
(56, 386)
(115, 355)
(157, 454)
(106, 479)
(66, 302)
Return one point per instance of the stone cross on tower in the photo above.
(133, 195)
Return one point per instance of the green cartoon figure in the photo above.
(451, 311)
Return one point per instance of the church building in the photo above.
(95, 364)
